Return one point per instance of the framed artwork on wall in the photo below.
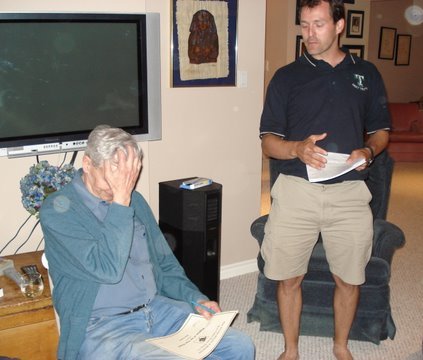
(299, 46)
(297, 13)
(356, 50)
(387, 43)
(355, 24)
(402, 55)
(203, 48)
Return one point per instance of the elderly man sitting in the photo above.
(116, 281)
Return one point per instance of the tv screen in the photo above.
(63, 74)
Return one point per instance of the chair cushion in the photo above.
(406, 136)
(403, 114)
(417, 126)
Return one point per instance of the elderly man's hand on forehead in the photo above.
(122, 173)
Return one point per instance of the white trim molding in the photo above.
(237, 269)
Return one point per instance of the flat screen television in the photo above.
(62, 74)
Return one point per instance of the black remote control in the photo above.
(30, 269)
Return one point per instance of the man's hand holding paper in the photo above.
(337, 164)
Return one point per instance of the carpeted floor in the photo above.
(406, 211)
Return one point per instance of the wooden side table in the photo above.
(27, 326)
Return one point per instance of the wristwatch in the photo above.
(372, 155)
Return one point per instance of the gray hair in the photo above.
(104, 142)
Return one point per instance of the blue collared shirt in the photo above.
(138, 285)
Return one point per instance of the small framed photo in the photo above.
(402, 55)
(299, 47)
(355, 24)
(387, 43)
(357, 50)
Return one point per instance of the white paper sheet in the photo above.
(197, 337)
(336, 166)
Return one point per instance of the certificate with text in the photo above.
(198, 336)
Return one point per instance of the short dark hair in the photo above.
(337, 9)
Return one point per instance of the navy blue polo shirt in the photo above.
(310, 97)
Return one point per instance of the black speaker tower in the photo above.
(191, 222)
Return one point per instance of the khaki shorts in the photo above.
(300, 211)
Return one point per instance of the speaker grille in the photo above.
(213, 209)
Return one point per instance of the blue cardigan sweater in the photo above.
(84, 252)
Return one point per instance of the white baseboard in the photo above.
(237, 269)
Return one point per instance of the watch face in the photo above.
(414, 15)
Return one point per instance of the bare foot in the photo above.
(285, 356)
(342, 353)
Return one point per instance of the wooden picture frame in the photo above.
(387, 43)
(299, 46)
(356, 50)
(213, 62)
(403, 50)
(297, 13)
(355, 24)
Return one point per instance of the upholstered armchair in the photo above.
(373, 321)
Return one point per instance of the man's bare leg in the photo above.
(290, 302)
(345, 304)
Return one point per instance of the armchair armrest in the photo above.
(257, 228)
(386, 239)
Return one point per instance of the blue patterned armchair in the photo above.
(374, 320)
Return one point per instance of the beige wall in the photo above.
(403, 83)
(278, 25)
(209, 132)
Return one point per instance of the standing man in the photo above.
(324, 101)
(116, 281)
